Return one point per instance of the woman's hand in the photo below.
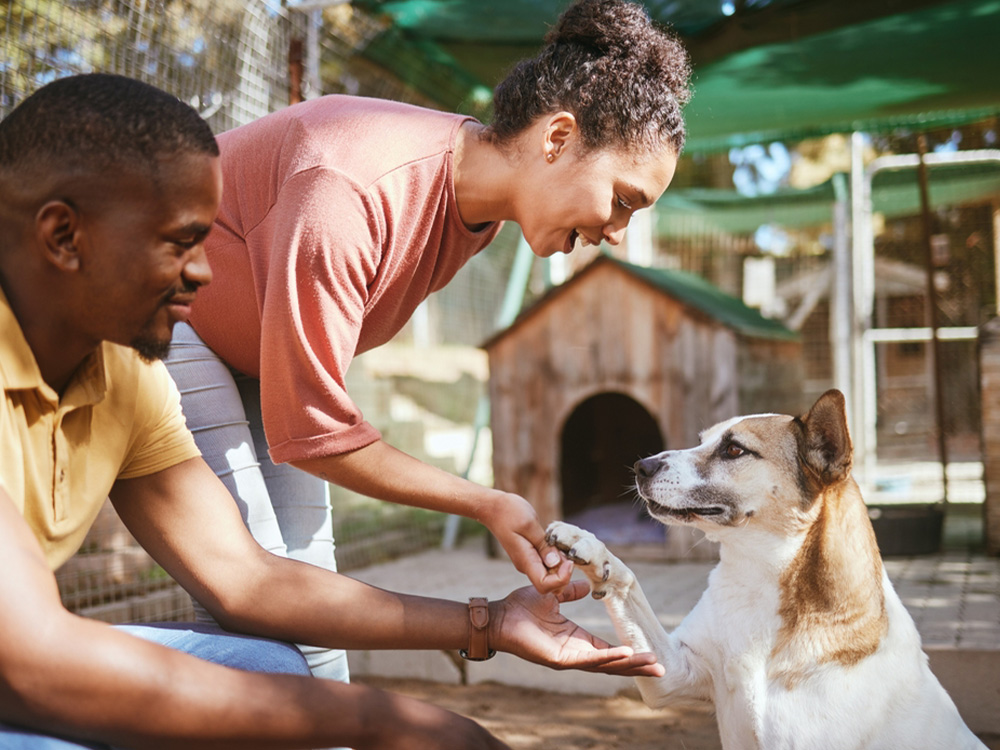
(530, 625)
(512, 520)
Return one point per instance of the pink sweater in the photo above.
(338, 218)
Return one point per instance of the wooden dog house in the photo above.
(618, 363)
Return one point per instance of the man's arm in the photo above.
(381, 471)
(186, 519)
(61, 673)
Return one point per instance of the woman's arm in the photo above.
(312, 319)
(381, 471)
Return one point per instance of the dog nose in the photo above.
(646, 467)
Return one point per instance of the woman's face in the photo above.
(579, 197)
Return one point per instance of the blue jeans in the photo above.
(286, 510)
(208, 642)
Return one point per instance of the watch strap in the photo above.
(479, 620)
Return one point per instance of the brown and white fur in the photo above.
(800, 640)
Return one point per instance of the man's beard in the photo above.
(149, 347)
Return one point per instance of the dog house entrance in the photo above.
(601, 440)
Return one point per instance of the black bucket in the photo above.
(908, 529)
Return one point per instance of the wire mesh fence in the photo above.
(227, 58)
(112, 579)
(965, 297)
(963, 275)
(235, 61)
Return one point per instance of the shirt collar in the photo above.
(19, 368)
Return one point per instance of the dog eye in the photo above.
(733, 450)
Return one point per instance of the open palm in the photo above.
(531, 626)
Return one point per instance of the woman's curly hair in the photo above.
(624, 78)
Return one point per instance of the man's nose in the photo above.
(197, 270)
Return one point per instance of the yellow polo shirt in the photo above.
(119, 418)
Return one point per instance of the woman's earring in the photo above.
(550, 157)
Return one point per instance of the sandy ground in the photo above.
(535, 719)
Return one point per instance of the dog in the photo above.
(800, 640)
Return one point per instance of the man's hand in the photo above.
(514, 523)
(530, 625)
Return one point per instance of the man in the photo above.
(108, 188)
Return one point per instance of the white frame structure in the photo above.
(855, 279)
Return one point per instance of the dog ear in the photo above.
(825, 443)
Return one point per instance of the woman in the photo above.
(341, 214)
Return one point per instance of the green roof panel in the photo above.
(709, 299)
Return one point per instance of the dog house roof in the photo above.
(683, 286)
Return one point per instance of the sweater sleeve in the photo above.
(324, 241)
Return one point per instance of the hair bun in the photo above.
(623, 77)
(609, 27)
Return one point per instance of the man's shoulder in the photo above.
(143, 403)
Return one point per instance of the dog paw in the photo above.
(587, 551)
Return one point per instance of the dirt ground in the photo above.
(536, 719)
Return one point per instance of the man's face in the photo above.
(147, 257)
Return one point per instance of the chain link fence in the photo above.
(227, 58)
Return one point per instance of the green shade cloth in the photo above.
(894, 193)
(933, 65)
(526, 21)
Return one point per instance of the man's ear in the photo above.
(57, 224)
(559, 132)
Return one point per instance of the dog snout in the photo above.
(645, 468)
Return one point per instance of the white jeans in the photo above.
(286, 510)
